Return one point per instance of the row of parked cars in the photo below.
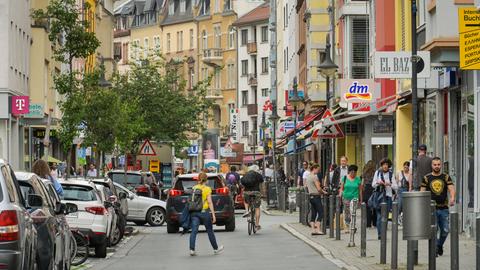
(36, 224)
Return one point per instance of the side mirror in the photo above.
(35, 200)
(122, 195)
(107, 204)
(60, 208)
(70, 208)
(131, 196)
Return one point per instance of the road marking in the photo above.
(319, 248)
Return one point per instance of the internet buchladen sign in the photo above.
(469, 32)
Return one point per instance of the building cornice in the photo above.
(439, 43)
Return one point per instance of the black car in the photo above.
(53, 233)
(221, 197)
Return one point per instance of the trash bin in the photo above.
(416, 215)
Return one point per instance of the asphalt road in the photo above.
(270, 248)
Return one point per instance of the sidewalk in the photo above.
(349, 258)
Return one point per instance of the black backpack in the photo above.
(249, 179)
(195, 202)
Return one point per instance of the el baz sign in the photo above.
(398, 65)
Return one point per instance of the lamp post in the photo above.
(328, 69)
(263, 127)
(254, 137)
(295, 101)
(274, 120)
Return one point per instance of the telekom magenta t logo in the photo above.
(20, 105)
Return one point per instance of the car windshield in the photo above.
(132, 179)
(78, 193)
(187, 183)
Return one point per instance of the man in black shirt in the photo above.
(438, 183)
(251, 193)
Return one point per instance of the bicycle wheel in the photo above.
(252, 220)
(80, 250)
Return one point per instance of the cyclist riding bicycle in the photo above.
(251, 182)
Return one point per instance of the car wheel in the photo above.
(230, 226)
(156, 216)
(172, 228)
(117, 236)
(101, 250)
(140, 223)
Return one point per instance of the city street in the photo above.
(271, 248)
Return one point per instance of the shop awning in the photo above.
(52, 160)
(299, 149)
(249, 158)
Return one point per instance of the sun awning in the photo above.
(248, 158)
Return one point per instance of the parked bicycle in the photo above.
(79, 247)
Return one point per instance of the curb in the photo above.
(319, 248)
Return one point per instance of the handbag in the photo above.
(376, 199)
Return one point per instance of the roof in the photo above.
(177, 16)
(23, 176)
(259, 14)
(125, 8)
(76, 181)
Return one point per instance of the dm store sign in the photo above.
(357, 92)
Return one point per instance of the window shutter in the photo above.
(359, 47)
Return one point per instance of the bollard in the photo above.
(383, 233)
(331, 214)
(324, 217)
(478, 240)
(432, 242)
(410, 255)
(337, 218)
(394, 264)
(282, 202)
(454, 239)
(301, 207)
(363, 231)
(308, 209)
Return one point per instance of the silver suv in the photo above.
(17, 234)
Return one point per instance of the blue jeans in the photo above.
(316, 208)
(400, 199)
(204, 218)
(443, 225)
(379, 215)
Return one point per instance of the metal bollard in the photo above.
(410, 254)
(301, 207)
(308, 209)
(363, 231)
(324, 217)
(432, 242)
(478, 240)
(331, 214)
(383, 233)
(454, 263)
(282, 202)
(337, 218)
(394, 257)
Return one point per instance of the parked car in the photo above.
(120, 203)
(113, 232)
(135, 181)
(143, 210)
(53, 235)
(91, 219)
(221, 197)
(18, 236)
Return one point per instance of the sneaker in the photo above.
(439, 250)
(219, 250)
(246, 214)
(193, 253)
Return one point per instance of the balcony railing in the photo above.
(252, 109)
(252, 47)
(252, 79)
(213, 56)
(214, 93)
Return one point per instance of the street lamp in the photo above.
(274, 120)
(254, 137)
(295, 101)
(263, 127)
(328, 69)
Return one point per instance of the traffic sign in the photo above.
(326, 129)
(154, 166)
(147, 149)
(469, 32)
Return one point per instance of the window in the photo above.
(204, 40)
(265, 92)
(168, 43)
(217, 6)
(180, 41)
(228, 5)
(218, 37)
(254, 96)
(231, 38)
(191, 78)
(244, 98)
(244, 67)
(135, 49)
(244, 37)
(244, 128)
(145, 48)
(156, 42)
(264, 33)
(183, 6)
(192, 39)
(205, 9)
(231, 76)
(359, 51)
(171, 8)
(204, 73)
(218, 79)
(254, 123)
(264, 65)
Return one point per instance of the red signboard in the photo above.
(20, 105)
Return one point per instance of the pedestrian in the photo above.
(327, 182)
(301, 173)
(315, 190)
(54, 171)
(404, 182)
(423, 166)
(351, 191)
(438, 183)
(40, 168)
(233, 180)
(367, 178)
(205, 217)
(384, 182)
(339, 173)
(92, 172)
(305, 174)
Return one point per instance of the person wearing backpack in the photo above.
(251, 182)
(233, 179)
(351, 190)
(205, 216)
(384, 183)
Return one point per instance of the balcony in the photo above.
(252, 109)
(252, 48)
(214, 93)
(213, 57)
(252, 79)
(121, 33)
